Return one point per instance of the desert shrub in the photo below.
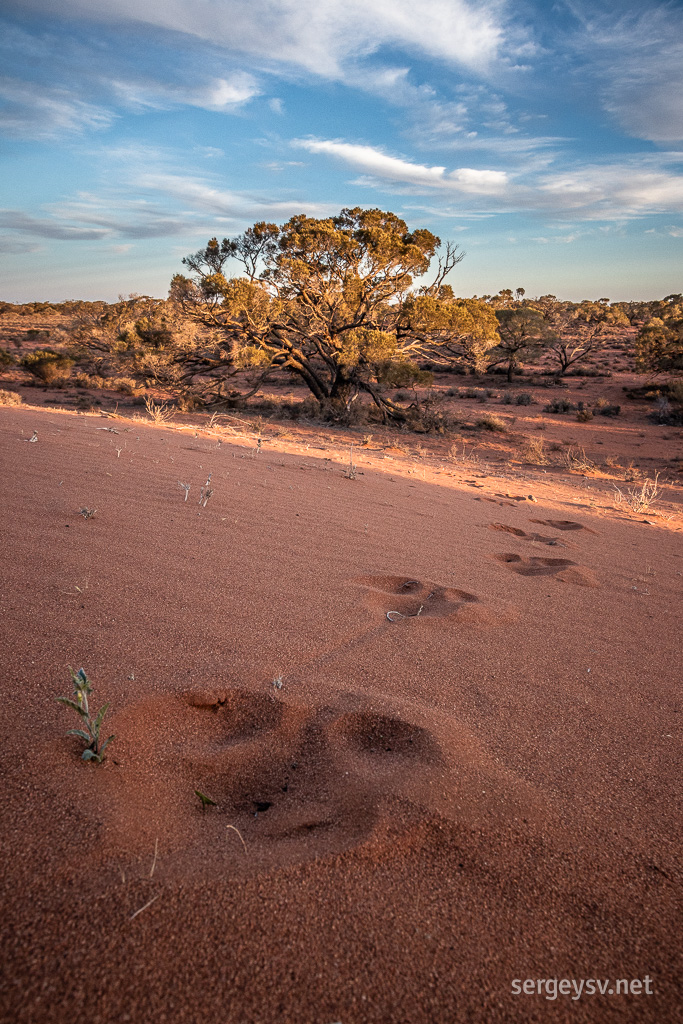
(6, 358)
(583, 415)
(534, 451)
(93, 381)
(674, 390)
(453, 392)
(189, 403)
(10, 398)
(431, 418)
(49, 366)
(577, 461)
(402, 396)
(160, 412)
(583, 371)
(309, 408)
(666, 414)
(124, 385)
(559, 405)
(508, 398)
(491, 422)
(470, 393)
(523, 398)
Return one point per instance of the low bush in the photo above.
(50, 367)
(10, 398)
(559, 406)
(491, 422)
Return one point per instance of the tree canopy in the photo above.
(659, 345)
(334, 302)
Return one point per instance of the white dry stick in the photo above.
(185, 487)
(133, 916)
(239, 834)
(31, 439)
(154, 862)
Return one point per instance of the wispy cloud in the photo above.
(389, 168)
(168, 203)
(315, 36)
(223, 95)
(636, 52)
(32, 111)
(611, 191)
(47, 227)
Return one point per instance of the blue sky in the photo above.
(545, 138)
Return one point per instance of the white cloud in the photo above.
(636, 51)
(223, 95)
(615, 191)
(389, 168)
(34, 111)
(317, 35)
(200, 195)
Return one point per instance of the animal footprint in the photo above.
(561, 524)
(385, 738)
(562, 568)
(534, 566)
(400, 597)
(288, 782)
(516, 532)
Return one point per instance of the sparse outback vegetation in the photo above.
(9, 398)
(332, 303)
(90, 733)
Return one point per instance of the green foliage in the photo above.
(580, 328)
(206, 801)
(402, 373)
(659, 344)
(90, 733)
(523, 331)
(331, 301)
(47, 365)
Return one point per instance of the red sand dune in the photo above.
(481, 787)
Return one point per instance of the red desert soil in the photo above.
(481, 787)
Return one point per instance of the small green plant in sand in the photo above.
(205, 800)
(90, 733)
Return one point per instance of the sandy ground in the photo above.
(468, 773)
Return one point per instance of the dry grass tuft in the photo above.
(636, 499)
(534, 452)
(10, 398)
(159, 412)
